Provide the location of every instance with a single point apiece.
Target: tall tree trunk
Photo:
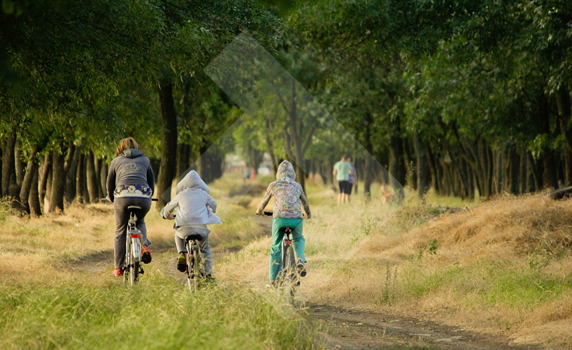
(34, 198)
(71, 175)
(550, 177)
(498, 172)
(423, 172)
(409, 160)
(514, 170)
(92, 183)
(81, 180)
(523, 170)
(31, 170)
(97, 165)
(564, 109)
(8, 166)
(58, 182)
(19, 165)
(104, 169)
(396, 158)
(369, 160)
(169, 155)
(183, 159)
(45, 171)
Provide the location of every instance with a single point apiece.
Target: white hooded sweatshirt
(192, 203)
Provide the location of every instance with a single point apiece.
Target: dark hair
(347, 156)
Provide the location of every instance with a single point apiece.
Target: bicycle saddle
(133, 207)
(285, 230)
(193, 236)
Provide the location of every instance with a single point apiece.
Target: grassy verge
(157, 314)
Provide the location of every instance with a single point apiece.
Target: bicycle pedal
(141, 271)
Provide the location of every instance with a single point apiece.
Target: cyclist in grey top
(130, 182)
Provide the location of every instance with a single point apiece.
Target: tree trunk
(81, 182)
(514, 170)
(498, 172)
(423, 173)
(523, 170)
(435, 178)
(369, 161)
(97, 172)
(19, 165)
(183, 157)
(396, 158)
(550, 177)
(91, 177)
(45, 170)
(564, 109)
(58, 183)
(104, 169)
(169, 155)
(31, 170)
(71, 174)
(34, 198)
(8, 166)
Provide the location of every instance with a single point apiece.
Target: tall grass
(159, 313)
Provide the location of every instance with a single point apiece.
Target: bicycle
(194, 261)
(133, 267)
(289, 278)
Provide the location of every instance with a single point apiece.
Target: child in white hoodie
(195, 210)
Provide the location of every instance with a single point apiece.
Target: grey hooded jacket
(192, 203)
(131, 167)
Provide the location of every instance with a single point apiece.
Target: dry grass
(501, 266)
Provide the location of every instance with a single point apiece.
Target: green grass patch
(485, 283)
(159, 313)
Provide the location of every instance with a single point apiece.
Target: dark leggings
(122, 218)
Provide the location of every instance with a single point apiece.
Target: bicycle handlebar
(107, 200)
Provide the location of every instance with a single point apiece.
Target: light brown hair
(127, 143)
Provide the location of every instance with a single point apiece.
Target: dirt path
(358, 329)
(343, 328)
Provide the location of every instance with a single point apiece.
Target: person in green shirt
(342, 170)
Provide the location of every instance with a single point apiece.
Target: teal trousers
(297, 239)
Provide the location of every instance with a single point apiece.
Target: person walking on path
(342, 171)
(352, 179)
(130, 182)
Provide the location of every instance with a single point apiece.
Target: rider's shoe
(271, 284)
(301, 267)
(146, 257)
(182, 262)
(118, 272)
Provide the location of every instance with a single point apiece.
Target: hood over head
(132, 153)
(285, 170)
(192, 180)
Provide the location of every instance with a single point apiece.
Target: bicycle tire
(289, 274)
(127, 261)
(189, 265)
(196, 269)
(133, 266)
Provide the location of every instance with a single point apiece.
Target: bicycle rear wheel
(289, 274)
(128, 260)
(134, 263)
(193, 267)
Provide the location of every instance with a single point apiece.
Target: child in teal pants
(288, 201)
